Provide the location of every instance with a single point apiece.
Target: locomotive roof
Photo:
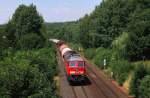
(75, 58)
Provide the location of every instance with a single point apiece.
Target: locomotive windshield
(72, 64)
(81, 64)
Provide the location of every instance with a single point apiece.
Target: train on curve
(74, 63)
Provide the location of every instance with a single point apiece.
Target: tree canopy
(25, 21)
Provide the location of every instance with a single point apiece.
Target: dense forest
(118, 31)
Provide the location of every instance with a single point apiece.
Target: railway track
(97, 85)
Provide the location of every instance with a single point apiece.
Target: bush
(144, 88)
(139, 73)
(100, 55)
(89, 53)
(46, 61)
(120, 69)
(4, 53)
(28, 74)
(20, 79)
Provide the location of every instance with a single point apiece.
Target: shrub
(46, 61)
(100, 55)
(139, 73)
(144, 88)
(120, 69)
(89, 53)
(20, 79)
(28, 74)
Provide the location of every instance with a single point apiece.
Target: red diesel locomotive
(74, 63)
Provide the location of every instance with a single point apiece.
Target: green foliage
(28, 74)
(114, 17)
(122, 25)
(120, 69)
(76, 46)
(139, 45)
(19, 78)
(30, 41)
(139, 73)
(105, 23)
(46, 61)
(3, 38)
(119, 46)
(3, 41)
(144, 87)
(89, 53)
(67, 31)
(100, 55)
(25, 21)
(84, 33)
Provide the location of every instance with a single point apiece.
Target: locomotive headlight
(72, 72)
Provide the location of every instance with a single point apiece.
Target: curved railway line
(97, 84)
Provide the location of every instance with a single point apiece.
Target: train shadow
(84, 82)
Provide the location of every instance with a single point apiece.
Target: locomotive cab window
(72, 64)
(81, 64)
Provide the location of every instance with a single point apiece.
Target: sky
(51, 10)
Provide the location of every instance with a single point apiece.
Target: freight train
(74, 63)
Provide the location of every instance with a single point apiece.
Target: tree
(105, 23)
(25, 21)
(30, 41)
(3, 41)
(139, 36)
(3, 38)
(84, 31)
